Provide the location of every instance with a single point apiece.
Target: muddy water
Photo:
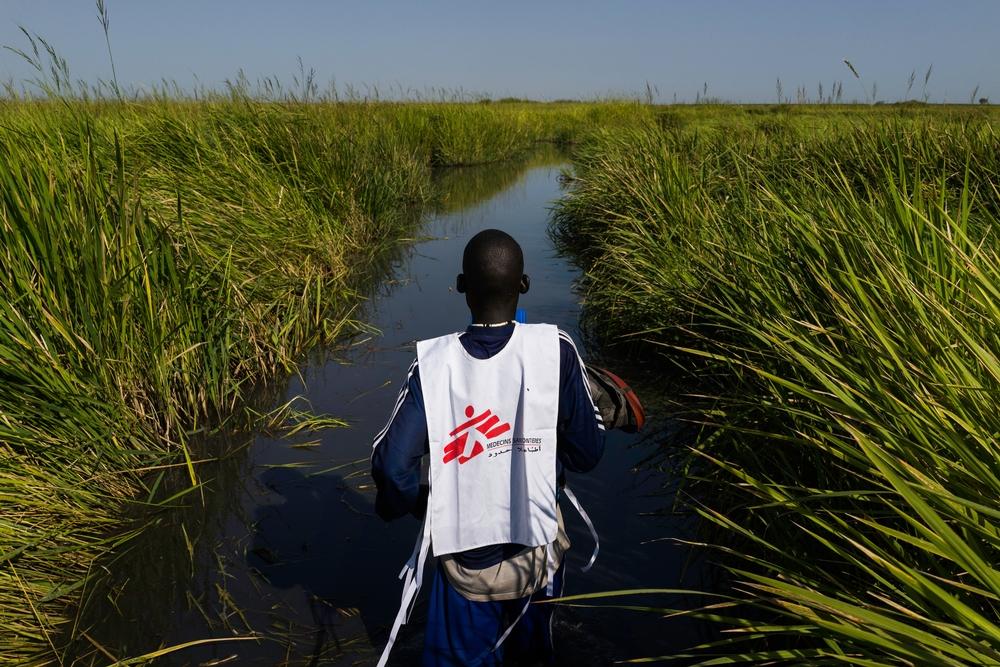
(286, 545)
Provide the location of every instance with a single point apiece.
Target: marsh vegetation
(161, 261)
(825, 283)
(823, 278)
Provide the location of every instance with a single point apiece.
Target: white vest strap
(506, 633)
(590, 525)
(510, 629)
(413, 577)
(551, 567)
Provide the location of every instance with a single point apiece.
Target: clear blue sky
(542, 49)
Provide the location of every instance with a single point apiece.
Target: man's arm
(397, 451)
(580, 432)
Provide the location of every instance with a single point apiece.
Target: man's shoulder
(443, 337)
(429, 344)
(566, 341)
(539, 327)
(569, 355)
(545, 326)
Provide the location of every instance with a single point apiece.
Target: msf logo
(487, 424)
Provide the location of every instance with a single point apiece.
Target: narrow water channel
(287, 544)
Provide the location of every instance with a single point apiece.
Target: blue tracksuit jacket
(400, 446)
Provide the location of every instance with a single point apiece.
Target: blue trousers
(462, 633)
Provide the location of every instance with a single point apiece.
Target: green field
(163, 260)
(823, 280)
(824, 284)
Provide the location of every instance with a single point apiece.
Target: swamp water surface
(286, 544)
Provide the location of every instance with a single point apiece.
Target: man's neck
(491, 325)
(494, 316)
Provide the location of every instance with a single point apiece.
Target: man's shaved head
(492, 272)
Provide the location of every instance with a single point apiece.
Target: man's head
(492, 276)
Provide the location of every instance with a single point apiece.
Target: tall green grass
(159, 260)
(833, 294)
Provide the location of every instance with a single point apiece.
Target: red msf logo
(487, 424)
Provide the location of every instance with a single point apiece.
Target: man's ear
(460, 283)
(525, 284)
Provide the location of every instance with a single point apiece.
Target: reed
(159, 260)
(831, 292)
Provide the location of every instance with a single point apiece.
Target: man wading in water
(502, 410)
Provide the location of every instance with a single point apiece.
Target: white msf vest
(491, 429)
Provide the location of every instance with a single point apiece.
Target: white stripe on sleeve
(583, 371)
(399, 403)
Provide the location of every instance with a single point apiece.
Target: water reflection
(171, 565)
(316, 538)
(286, 545)
(463, 188)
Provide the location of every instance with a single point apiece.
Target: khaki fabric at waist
(513, 578)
